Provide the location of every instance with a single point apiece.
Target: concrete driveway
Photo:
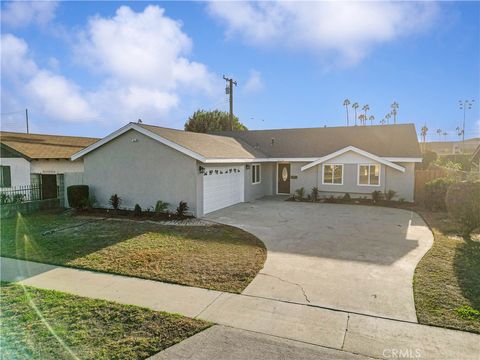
(347, 257)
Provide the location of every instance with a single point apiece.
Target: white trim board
(358, 151)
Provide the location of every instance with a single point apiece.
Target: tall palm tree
(388, 116)
(445, 136)
(346, 102)
(394, 107)
(424, 131)
(383, 121)
(355, 107)
(362, 119)
(439, 132)
(371, 118)
(366, 108)
(460, 132)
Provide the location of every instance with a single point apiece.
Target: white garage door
(222, 186)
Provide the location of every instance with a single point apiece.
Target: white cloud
(140, 61)
(254, 82)
(23, 13)
(345, 30)
(145, 48)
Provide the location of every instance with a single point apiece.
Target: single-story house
(38, 160)
(144, 163)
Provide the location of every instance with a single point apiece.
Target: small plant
(161, 206)
(115, 201)
(18, 198)
(401, 200)
(300, 193)
(137, 210)
(377, 196)
(390, 194)
(468, 313)
(463, 205)
(5, 199)
(315, 193)
(182, 208)
(331, 199)
(346, 197)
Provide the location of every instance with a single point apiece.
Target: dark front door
(49, 186)
(283, 178)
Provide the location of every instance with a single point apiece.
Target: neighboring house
(39, 160)
(143, 163)
(444, 148)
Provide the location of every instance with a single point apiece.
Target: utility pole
(464, 105)
(229, 91)
(26, 118)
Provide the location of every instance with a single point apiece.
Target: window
(5, 176)
(256, 174)
(333, 174)
(369, 175)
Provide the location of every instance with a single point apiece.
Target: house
(144, 163)
(38, 159)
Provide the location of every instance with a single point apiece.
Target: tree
(346, 102)
(366, 108)
(424, 135)
(355, 107)
(362, 119)
(383, 121)
(207, 121)
(388, 116)
(439, 132)
(394, 107)
(371, 118)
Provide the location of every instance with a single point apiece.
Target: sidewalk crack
(206, 307)
(346, 330)
(289, 282)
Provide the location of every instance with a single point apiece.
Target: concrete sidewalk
(354, 333)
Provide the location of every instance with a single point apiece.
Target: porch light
(201, 169)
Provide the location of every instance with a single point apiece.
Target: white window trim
(259, 174)
(323, 174)
(379, 175)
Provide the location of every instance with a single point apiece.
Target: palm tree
(355, 107)
(346, 102)
(459, 131)
(424, 135)
(445, 136)
(371, 118)
(362, 119)
(388, 116)
(439, 132)
(366, 108)
(383, 121)
(394, 107)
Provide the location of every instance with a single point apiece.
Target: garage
(222, 186)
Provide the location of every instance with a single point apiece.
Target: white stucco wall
(265, 187)
(19, 170)
(54, 166)
(141, 171)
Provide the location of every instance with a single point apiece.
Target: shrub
(390, 194)
(463, 204)
(377, 196)
(315, 193)
(300, 193)
(5, 199)
(137, 210)
(115, 201)
(161, 206)
(77, 196)
(331, 199)
(182, 208)
(346, 197)
(435, 192)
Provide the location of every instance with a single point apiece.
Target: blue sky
(87, 68)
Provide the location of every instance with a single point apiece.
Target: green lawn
(44, 324)
(447, 279)
(215, 257)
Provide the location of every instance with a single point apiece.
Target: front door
(283, 177)
(49, 186)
